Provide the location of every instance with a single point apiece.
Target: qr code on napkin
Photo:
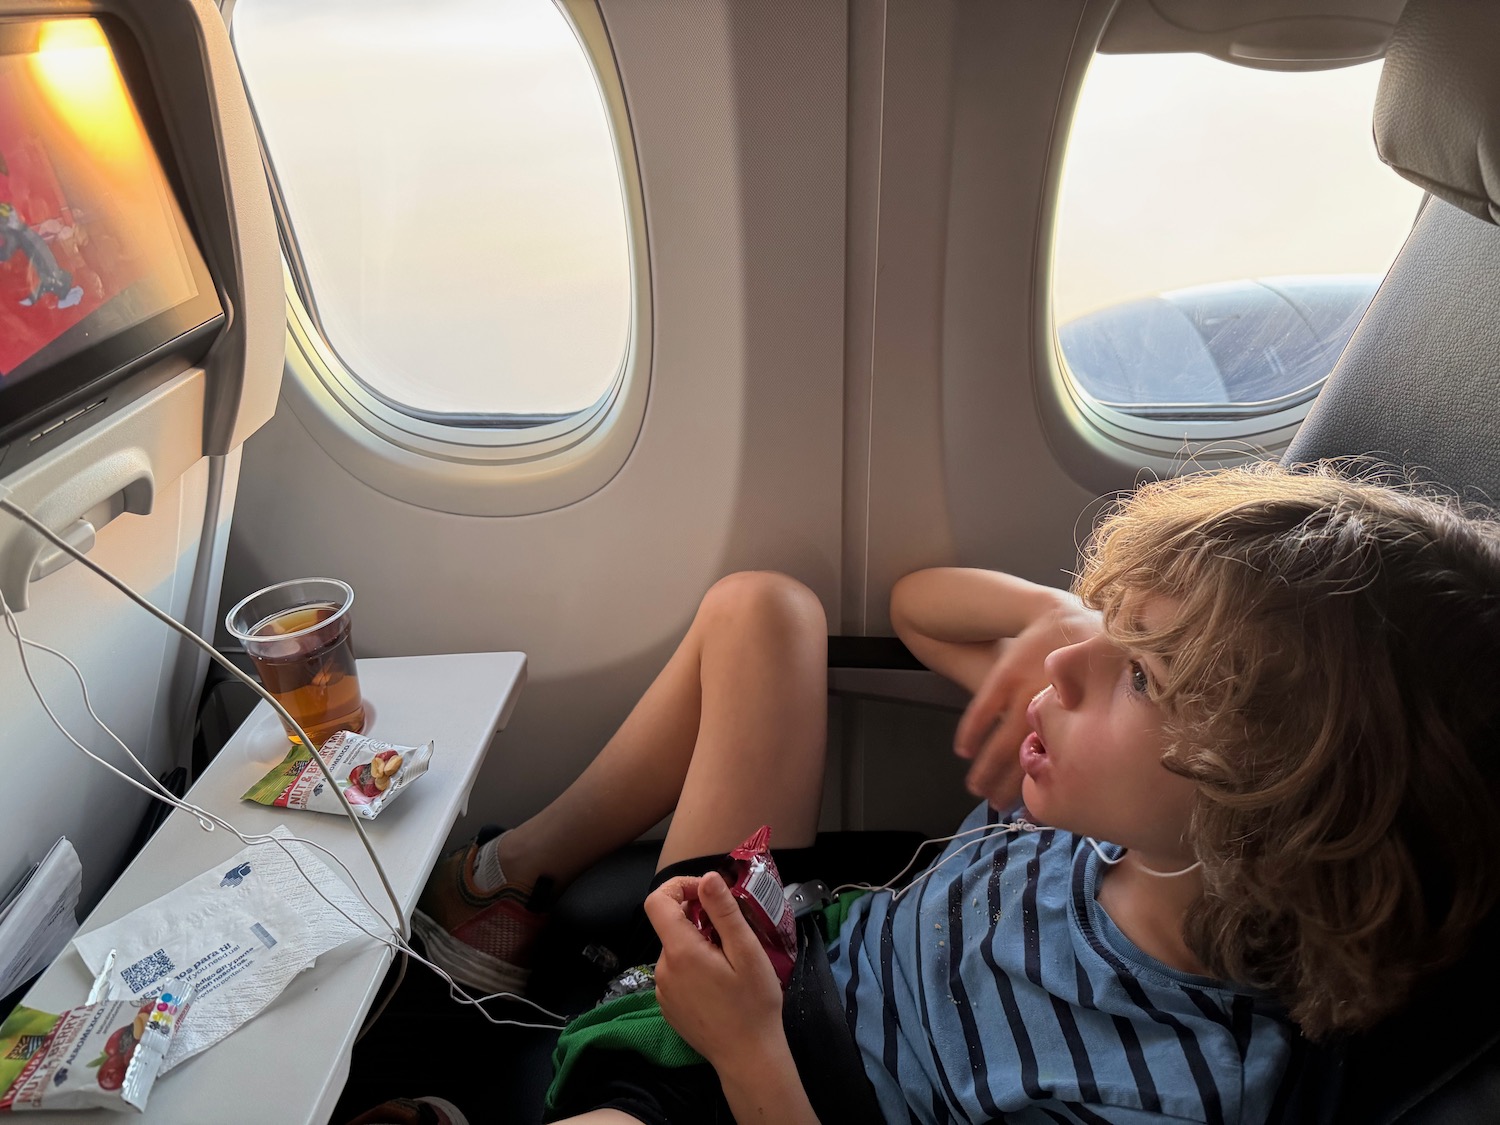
(147, 971)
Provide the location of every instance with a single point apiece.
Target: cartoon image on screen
(88, 227)
(50, 277)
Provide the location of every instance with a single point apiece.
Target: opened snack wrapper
(372, 774)
(106, 1054)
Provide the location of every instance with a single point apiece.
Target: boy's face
(1093, 764)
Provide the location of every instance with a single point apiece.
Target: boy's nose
(1065, 669)
(1075, 670)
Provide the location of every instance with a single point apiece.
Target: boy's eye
(1140, 683)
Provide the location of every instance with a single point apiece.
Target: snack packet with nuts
(105, 1054)
(371, 773)
(755, 884)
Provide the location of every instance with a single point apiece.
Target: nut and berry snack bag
(756, 885)
(106, 1054)
(370, 772)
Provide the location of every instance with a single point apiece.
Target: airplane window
(449, 177)
(1219, 234)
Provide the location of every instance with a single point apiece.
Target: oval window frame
(496, 467)
(1102, 448)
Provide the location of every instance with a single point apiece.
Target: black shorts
(822, 1046)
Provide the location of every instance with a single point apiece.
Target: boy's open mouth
(1034, 739)
(1033, 748)
(1033, 755)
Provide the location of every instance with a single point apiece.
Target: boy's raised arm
(952, 617)
(956, 618)
(991, 633)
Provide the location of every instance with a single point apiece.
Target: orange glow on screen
(76, 71)
(91, 224)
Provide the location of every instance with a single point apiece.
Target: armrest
(898, 685)
(882, 668)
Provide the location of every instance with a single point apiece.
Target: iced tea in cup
(297, 633)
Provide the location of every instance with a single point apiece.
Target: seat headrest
(1437, 113)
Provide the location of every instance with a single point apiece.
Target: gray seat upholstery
(1417, 388)
(1417, 385)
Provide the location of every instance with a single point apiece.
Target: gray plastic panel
(148, 445)
(137, 468)
(207, 117)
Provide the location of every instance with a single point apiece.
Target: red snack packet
(756, 885)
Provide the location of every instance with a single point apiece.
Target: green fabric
(836, 912)
(627, 1023)
(634, 1022)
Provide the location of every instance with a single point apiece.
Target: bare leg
(731, 734)
(601, 1117)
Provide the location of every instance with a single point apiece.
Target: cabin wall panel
(946, 457)
(1012, 503)
(739, 115)
(846, 217)
(899, 371)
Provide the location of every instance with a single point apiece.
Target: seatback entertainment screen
(98, 267)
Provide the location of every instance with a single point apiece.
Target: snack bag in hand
(756, 885)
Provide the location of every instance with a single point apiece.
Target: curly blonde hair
(1332, 685)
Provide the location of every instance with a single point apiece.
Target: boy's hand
(726, 1002)
(994, 724)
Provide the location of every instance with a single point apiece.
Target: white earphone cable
(207, 820)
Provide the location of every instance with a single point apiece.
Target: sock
(487, 873)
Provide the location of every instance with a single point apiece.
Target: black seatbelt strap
(828, 1062)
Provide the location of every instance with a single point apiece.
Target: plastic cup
(297, 633)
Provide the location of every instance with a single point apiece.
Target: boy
(1274, 698)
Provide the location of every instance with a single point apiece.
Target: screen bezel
(186, 329)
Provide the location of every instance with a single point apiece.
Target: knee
(765, 599)
(902, 592)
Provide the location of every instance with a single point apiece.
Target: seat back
(1419, 387)
(1417, 383)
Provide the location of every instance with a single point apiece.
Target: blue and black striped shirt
(997, 989)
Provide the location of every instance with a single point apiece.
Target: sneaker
(412, 1111)
(481, 939)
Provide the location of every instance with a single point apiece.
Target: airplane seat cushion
(595, 923)
(1418, 388)
(1438, 104)
(1435, 1063)
(1417, 384)
(598, 911)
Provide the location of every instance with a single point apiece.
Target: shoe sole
(470, 967)
(455, 1115)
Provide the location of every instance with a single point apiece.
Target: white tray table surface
(289, 1063)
